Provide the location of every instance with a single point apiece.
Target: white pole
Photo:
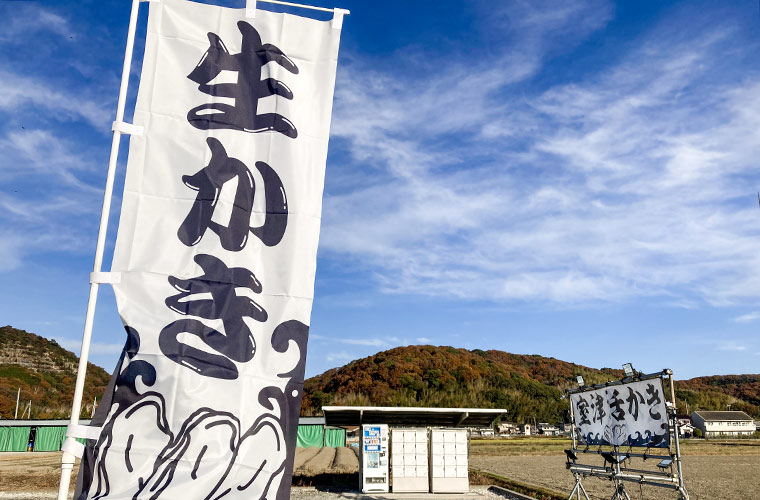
(18, 395)
(67, 461)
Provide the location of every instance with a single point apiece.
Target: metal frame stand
(620, 492)
(612, 469)
(578, 488)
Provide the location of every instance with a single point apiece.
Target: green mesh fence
(309, 436)
(335, 437)
(49, 438)
(14, 438)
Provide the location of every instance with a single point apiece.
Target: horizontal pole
(625, 454)
(302, 6)
(627, 380)
(591, 470)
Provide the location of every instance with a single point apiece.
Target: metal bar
(626, 454)
(676, 439)
(67, 461)
(572, 426)
(627, 380)
(592, 470)
(302, 6)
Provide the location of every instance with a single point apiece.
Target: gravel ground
(296, 493)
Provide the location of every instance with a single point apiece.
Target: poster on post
(215, 256)
(631, 414)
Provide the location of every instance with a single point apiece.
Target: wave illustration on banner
(204, 402)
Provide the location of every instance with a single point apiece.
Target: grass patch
(487, 478)
(550, 446)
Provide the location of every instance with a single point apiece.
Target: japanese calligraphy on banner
(632, 414)
(216, 251)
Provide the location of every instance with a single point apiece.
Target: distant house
(723, 423)
(481, 432)
(683, 419)
(506, 428)
(686, 430)
(525, 429)
(548, 429)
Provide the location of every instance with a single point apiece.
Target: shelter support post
(682, 494)
(67, 461)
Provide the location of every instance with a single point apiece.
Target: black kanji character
(634, 399)
(599, 412)
(615, 404)
(237, 342)
(583, 411)
(654, 398)
(248, 89)
(209, 182)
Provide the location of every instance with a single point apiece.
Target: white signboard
(632, 414)
(216, 255)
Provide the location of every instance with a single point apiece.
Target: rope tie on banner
(127, 128)
(105, 277)
(73, 431)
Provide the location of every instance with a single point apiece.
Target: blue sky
(571, 179)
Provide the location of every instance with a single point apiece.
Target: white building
(548, 429)
(525, 429)
(723, 423)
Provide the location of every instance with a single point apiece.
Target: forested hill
(45, 372)
(527, 386)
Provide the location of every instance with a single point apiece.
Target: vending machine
(373, 465)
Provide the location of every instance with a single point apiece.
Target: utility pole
(18, 395)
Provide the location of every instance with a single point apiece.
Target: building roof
(723, 415)
(39, 423)
(411, 416)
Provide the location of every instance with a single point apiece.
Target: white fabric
(71, 445)
(224, 433)
(105, 277)
(83, 431)
(127, 128)
(628, 414)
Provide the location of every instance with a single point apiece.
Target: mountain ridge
(528, 386)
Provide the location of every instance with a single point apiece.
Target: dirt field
(314, 461)
(41, 471)
(712, 470)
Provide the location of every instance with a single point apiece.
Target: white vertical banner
(216, 256)
(630, 414)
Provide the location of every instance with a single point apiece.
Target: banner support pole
(67, 461)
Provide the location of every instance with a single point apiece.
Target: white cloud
(19, 92)
(340, 356)
(28, 18)
(746, 318)
(423, 340)
(96, 348)
(629, 183)
(731, 345)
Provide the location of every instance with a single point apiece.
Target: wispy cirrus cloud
(628, 182)
(747, 318)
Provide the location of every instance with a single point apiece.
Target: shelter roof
(38, 423)
(410, 416)
(724, 415)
